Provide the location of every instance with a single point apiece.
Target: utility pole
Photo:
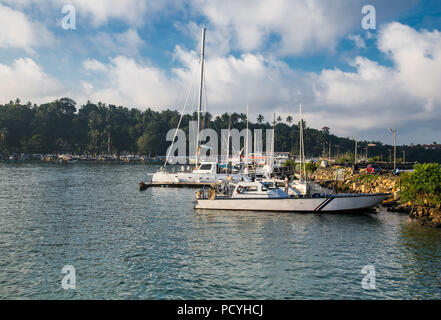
(366, 154)
(355, 154)
(108, 143)
(369, 145)
(329, 149)
(394, 131)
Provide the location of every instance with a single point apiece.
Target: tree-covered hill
(61, 127)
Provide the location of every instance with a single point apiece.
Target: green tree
(423, 185)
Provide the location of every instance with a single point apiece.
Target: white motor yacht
(262, 196)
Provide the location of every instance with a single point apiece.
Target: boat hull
(333, 203)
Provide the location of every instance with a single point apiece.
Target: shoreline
(426, 215)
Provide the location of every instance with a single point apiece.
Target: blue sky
(272, 55)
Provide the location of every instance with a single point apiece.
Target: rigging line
(179, 123)
(206, 91)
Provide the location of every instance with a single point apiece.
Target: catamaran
(203, 172)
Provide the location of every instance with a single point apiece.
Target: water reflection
(420, 248)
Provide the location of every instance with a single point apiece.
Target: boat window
(251, 189)
(205, 167)
(269, 185)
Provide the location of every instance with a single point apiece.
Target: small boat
(266, 196)
(67, 159)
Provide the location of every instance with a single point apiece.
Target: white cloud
(358, 40)
(417, 56)
(126, 43)
(17, 31)
(298, 25)
(131, 84)
(376, 97)
(359, 103)
(100, 12)
(94, 65)
(231, 83)
(28, 82)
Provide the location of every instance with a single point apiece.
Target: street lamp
(394, 131)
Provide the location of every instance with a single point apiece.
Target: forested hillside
(61, 127)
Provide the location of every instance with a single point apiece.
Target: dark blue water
(126, 244)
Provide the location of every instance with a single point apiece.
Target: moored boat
(261, 196)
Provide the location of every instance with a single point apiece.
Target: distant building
(433, 146)
(325, 130)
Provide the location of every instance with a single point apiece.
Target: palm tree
(279, 119)
(289, 119)
(260, 118)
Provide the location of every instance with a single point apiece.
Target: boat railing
(206, 194)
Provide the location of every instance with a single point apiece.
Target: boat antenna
(201, 84)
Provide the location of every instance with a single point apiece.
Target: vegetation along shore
(416, 193)
(59, 127)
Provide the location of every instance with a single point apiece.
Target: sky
(270, 55)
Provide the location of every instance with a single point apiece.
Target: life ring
(239, 189)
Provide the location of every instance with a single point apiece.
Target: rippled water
(126, 244)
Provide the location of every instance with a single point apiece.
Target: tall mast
(302, 148)
(246, 143)
(200, 94)
(272, 144)
(228, 146)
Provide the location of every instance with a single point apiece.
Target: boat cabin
(258, 190)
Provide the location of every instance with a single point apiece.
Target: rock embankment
(344, 180)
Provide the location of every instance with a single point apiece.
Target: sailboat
(302, 185)
(204, 171)
(266, 195)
